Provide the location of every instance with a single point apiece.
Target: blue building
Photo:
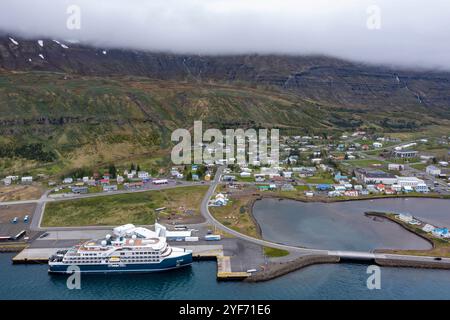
(324, 187)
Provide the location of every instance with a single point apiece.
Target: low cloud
(412, 33)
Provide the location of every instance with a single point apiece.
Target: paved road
(209, 219)
(343, 254)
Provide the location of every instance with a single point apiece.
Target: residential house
(351, 193)
(405, 217)
(338, 177)
(228, 178)
(433, 170)
(109, 188)
(377, 145)
(405, 154)
(441, 232)
(7, 181)
(422, 187)
(396, 167)
(80, 190)
(408, 189)
(287, 187)
(144, 175)
(220, 200)
(26, 180)
(260, 177)
(68, 180)
(120, 179)
(287, 174)
(428, 228)
(324, 187)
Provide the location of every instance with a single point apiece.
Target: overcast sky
(412, 33)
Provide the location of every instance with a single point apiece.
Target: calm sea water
(343, 226)
(285, 222)
(340, 281)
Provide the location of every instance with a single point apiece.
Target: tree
(112, 171)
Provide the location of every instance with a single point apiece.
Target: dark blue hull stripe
(166, 264)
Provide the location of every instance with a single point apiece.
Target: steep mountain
(90, 105)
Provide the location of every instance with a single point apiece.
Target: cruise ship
(129, 249)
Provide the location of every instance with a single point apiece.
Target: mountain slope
(322, 79)
(92, 106)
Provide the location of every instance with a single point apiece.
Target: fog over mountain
(413, 33)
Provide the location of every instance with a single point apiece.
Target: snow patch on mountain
(14, 41)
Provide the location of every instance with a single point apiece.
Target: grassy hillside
(85, 121)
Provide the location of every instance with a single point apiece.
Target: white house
(433, 170)
(428, 228)
(67, 180)
(422, 187)
(220, 200)
(260, 177)
(27, 180)
(7, 181)
(408, 189)
(395, 167)
(287, 174)
(120, 179)
(405, 217)
(143, 175)
(245, 174)
(443, 163)
(377, 145)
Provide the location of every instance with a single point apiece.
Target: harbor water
(339, 281)
(339, 225)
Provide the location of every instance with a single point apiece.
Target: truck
(212, 237)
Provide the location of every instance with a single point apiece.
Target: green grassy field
(321, 178)
(275, 253)
(365, 163)
(137, 208)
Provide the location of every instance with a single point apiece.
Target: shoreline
(276, 270)
(384, 215)
(337, 200)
